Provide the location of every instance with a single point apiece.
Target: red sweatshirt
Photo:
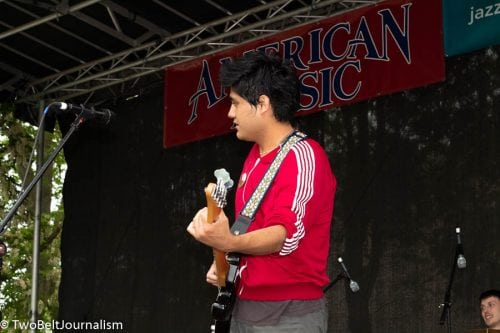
(301, 199)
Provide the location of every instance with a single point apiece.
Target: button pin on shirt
(243, 178)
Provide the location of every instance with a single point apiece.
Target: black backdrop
(410, 167)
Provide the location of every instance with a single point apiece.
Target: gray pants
(314, 322)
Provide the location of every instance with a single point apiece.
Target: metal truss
(119, 73)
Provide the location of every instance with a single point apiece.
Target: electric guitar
(226, 264)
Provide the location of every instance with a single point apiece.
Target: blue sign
(469, 25)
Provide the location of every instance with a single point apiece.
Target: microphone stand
(74, 126)
(446, 305)
(337, 279)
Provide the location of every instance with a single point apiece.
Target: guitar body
(223, 305)
(220, 326)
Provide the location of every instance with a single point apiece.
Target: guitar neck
(213, 210)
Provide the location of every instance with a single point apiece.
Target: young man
(285, 249)
(490, 308)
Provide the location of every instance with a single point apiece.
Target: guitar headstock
(219, 191)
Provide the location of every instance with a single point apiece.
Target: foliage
(16, 144)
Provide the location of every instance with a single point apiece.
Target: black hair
(490, 293)
(256, 73)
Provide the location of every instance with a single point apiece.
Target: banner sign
(390, 46)
(470, 25)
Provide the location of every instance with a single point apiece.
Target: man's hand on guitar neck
(212, 275)
(216, 235)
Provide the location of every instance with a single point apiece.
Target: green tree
(16, 144)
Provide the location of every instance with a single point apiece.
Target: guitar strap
(248, 212)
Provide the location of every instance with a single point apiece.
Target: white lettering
(482, 13)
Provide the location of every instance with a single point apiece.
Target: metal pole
(48, 18)
(36, 227)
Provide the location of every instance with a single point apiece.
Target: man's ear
(264, 104)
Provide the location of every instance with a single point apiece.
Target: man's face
(244, 116)
(490, 311)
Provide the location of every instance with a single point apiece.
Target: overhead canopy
(93, 51)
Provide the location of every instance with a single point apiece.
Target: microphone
(352, 284)
(101, 116)
(461, 262)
